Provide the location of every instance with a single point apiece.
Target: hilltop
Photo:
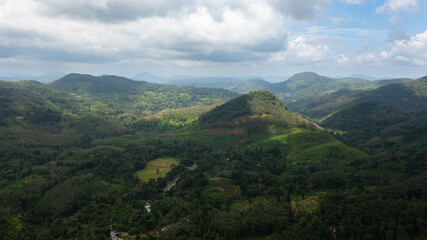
(35, 113)
(255, 110)
(306, 86)
(408, 96)
(314, 95)
(138, 95)
(252, 85)
(85, 84)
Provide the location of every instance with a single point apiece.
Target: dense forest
(248, 167)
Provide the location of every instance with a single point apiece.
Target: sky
(214, 37)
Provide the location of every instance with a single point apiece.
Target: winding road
(172, 183)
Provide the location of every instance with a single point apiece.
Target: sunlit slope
(139, 95)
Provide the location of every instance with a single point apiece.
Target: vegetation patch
(156, 168)
(307, 205)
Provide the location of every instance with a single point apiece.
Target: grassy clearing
(156, 168)
(307, 205)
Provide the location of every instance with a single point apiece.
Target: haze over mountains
(183, 80)
(44, 78)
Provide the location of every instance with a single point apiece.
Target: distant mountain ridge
(44, 78)
(409, 97)
(207, 82)
(31, 111)
(146, 76)
(309, 84)
(138, 95)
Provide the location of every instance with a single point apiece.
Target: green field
(164, 165)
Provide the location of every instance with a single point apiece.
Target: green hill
(67, 171)
(409, 97)
(309, 85)
(255, 109)
(85, 84)
(375, 127)
(252, 85)
(369, 114)
(138, 95)
(31, 112)
(314, 95)
(18, 99)
(384, 82)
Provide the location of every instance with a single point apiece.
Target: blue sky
(214, 37)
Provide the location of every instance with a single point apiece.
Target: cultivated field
(156, 168)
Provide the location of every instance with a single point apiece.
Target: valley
(311, 157)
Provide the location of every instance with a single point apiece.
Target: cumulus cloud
(303, 49)
(110, 30)
(184, 32)
(393, 6)
(354, 2)
(195, 34)
(412, 50)
(302, 9)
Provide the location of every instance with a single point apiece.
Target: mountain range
(89, 157)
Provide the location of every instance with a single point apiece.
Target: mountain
(252, 85)
(312, 94)
(370, 114)
(87, 85)
(387, 91)
(44, 78)
(364, 121)
(257, 109)
(307, 92)
(306, 85)
(21, 99)
(138, 95)
(34, 113)
(391, 117)
(205, 82)
(383, 82)
(364, 77)
(71, 153)
(148, 77)
(409, 97)
(375, 127)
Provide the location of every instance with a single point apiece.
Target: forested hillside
(76, 159)
(257, 106)
(409, 97)
(317, 96)
(138, 95)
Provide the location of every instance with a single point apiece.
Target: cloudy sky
(214, 37)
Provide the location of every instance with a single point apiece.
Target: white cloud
(393, 6)
(354, 2)
(95, 31)
(412, 50)
(301, 9)
(197, 34)
(303, 49)
(188, 63)
(401, 58)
